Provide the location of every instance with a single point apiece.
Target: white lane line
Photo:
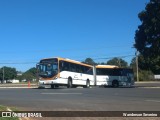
(149, 87)
(153, 101)
(62, 93)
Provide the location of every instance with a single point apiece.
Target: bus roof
(106, 66)
(68, 60)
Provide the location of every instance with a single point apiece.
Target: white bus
(108, 75)
(64, 72)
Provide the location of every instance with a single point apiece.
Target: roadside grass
(4, 109)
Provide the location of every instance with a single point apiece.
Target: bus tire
(69, 83)
(87, 84)
(115, 83)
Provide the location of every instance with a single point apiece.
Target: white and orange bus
(109, 75)
(64, 72)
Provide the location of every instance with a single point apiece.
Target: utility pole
(119, 62)
(3, 75)
(94, 75)
(137, 66)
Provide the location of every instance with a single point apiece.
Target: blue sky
(34, 29)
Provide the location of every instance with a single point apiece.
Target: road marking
(152, 101)
(148, 87)
(62, 93)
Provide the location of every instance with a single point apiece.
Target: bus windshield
(48, 68)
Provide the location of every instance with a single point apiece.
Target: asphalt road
(96, 99)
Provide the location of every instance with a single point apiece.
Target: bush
(145, 75)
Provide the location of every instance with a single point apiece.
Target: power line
(98, 58)
(72, 49)
(114, 57)
(19, 63)
(110, 57)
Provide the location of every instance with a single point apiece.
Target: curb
(18, 87)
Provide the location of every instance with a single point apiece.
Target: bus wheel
(69, 83)
(87, 84)
(115, 84)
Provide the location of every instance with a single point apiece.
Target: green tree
(118, 62)
(133, 63)
(102, 63)
(30, 74)
(147, 36)
(89, 61)
(144, 75)
(9, 73)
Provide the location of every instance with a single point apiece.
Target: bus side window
(90, 71)
(72, 67)
(66, 66)
(97, 71)
(117, 72)
(83, 69)
(102, 72)
(124, 73)
(61, 64)
(78, 69)
(111, 72)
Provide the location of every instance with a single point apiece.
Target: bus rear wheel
(69, 83)
(87, 84)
